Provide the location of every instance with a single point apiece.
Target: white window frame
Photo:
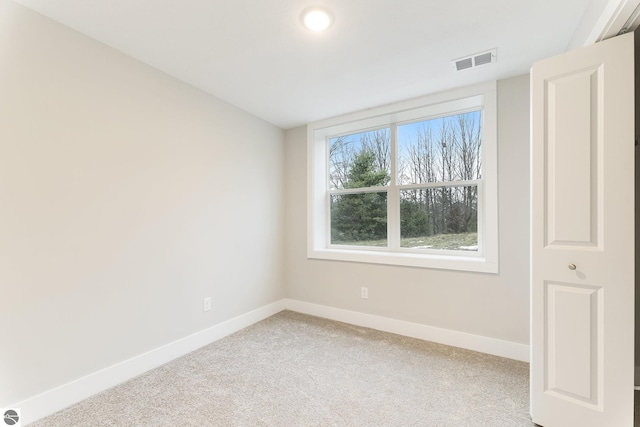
(472, 98)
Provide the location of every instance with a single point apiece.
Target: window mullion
(327, 196)
(393, 197)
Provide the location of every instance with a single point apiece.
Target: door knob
(572, 266)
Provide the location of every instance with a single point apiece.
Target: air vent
(475, 60)
(463, 64)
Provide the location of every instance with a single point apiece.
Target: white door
(582, 257)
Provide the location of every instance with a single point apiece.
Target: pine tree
(361, 216)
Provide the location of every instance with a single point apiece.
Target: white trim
(54, 400)
(379, 256)
(482, 96)
(602, 19)
(450, 337)
(613, 18)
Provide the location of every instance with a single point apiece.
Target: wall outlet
(206, 304)
(364, 293)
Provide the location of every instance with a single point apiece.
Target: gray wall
(125, 198)
(495, 306)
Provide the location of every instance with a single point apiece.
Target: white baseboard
(479, 343)
(51, 401)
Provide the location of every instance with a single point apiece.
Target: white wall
(126, 197)
(495, 306)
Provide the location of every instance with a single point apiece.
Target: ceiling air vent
(474, 60)
(463, 64)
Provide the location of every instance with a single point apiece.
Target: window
(413, 183)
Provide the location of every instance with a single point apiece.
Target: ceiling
(256, 55)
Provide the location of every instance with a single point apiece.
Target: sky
(408, 132)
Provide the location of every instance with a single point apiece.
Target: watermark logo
(11, 417)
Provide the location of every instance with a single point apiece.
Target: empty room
(318, 213)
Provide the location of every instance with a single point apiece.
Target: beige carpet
(298, 370)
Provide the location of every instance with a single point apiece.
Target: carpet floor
(297, 370)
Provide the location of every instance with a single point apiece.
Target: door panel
(582, 255)
(573, 366)
(573, 113)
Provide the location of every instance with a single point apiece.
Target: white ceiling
(256, 55)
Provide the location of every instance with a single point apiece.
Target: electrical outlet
(364, 293)
(206, 304)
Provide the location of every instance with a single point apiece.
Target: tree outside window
(438, 164)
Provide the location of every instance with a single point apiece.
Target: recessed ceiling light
(317, 19)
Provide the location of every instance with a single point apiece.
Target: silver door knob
(572, 266)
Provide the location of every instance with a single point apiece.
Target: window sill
(443, 262)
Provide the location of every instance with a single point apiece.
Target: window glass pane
(359, 219)
(360, 160)
(439, 218)
(440, 150)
